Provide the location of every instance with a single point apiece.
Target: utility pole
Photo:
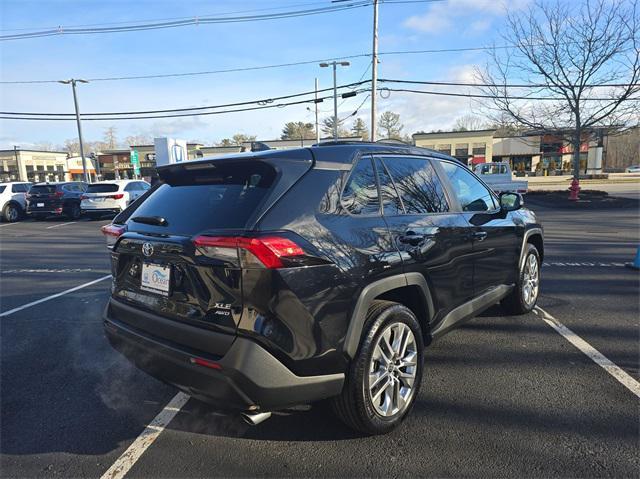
(335, 94)
(374, 70)
(75, 102)
(317, 124)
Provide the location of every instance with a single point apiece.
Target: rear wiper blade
(151, 220)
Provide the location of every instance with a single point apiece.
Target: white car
(111, 197)
(633, 169)
(13, 200)
(498, 177)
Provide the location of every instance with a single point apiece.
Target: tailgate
(156, 264)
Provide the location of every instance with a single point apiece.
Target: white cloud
(441, 17)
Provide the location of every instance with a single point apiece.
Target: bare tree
(468, 123)
(359, 128)
(296, 130)
(584, 60)
(110, 140)
(327, 127)
(389, 126)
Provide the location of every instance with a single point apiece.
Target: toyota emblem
(147, 249)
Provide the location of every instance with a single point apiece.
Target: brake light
(58, 194)
(112, 233)
(119, 196)
(205, 363)
(268, 250)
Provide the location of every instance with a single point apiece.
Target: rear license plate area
(155, 278)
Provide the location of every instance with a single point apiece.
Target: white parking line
(147, 437)
(53, 296)
(8, 224)
(595, 355)
(61, 224)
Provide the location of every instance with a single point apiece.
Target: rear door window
(2, 188)
(102, 188)
(418, 185)
(360, 195)
(391, 203)
(214, 198)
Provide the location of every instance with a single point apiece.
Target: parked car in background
(633, 169)
(290, 276)
(498, 177)
(59, 199)
(111, 197)
(13, 200)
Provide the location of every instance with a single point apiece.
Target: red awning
(478, 159)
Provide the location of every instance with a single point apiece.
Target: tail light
(119, 196)
(112, 233)
(266, 251)
(83, 197)
(58, 194)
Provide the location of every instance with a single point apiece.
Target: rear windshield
(42, 189)
(102, 188)
(221, 197)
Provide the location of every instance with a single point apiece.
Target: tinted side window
(472, 195)
(391, 204)
(19, 188)
(360, 196)
(418, 185)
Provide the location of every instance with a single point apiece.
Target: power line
(504, 85)
(472, 95)
(262, 101)
(196, 20)
(218, 112)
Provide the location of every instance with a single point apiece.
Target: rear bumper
(93, 209)
(248, 375)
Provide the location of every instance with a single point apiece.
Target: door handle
(479, 235)
(411, 238)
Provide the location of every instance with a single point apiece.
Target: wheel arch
(535, 237)
(409, 289)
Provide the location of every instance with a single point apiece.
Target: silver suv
(13, 200)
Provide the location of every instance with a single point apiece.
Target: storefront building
(469, 147)
(33, 165)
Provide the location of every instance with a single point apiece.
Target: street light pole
(374, 70)
(75, 102)
(335, 94)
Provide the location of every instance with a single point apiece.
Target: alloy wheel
(12, 213)
(392, 370)
(531, 280)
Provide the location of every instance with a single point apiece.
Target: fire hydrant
(574, 189)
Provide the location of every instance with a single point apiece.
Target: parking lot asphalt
(502, 396)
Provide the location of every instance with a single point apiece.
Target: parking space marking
(8, 224)
(147, 437)
(53, 296)
(61, 224)
(589, 264)
(591, 352)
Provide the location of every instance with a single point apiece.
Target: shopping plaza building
(534, 153)
(528, 154)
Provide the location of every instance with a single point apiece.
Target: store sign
(170, 151)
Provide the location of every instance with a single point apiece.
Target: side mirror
(511, 201)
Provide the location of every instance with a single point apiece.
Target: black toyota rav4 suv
(266, 280)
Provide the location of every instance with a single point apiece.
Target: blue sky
(411, 26)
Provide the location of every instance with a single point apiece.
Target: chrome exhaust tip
(253, 419)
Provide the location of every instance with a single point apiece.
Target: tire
(357, 405)
(11, 212)
(74, 212)
(524, 296)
